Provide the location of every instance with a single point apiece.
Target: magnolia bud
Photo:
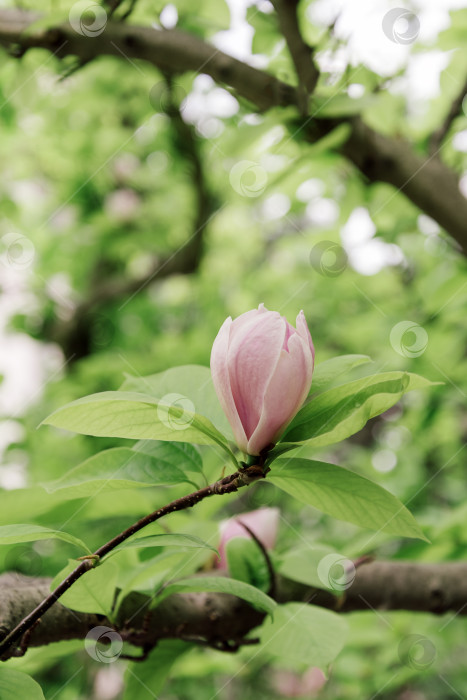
(264, 523)
(261, 368)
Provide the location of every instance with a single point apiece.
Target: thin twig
(229, 484)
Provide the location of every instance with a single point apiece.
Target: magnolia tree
(192, 511)
(261, 371)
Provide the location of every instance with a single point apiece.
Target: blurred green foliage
(97, 178)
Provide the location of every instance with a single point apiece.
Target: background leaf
(94, 592)
(145, 681)
(217, 584)
(23, 532)
(301, 632)
(166, 540)
(301, 564)
(246, 562)
(16, 685)
(344, 495)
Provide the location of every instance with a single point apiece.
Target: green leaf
(301, 564)
(149, 576)
(193, 382)
(210, 15)
(246, 562)
(280, 449)
(137, 416)
(326, 372)
(146, 681)
(94, 592)
(117, 468)
(23, 532)
(171, 540)
(16, 685)
(344, 410)
(327, 107)
(344, 495)
(218, 584)
(303, 634)
(181, 455)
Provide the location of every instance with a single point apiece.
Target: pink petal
(286, 392)
(221, 381)
(252, 357)
(264, 522)
(304, 331)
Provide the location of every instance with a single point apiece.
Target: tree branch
(427, 182)
(75, 334)
(219, 619)
(438, 136)
(228, 484)
(301, 53)
(172, 51)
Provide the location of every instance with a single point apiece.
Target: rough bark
(213, 618)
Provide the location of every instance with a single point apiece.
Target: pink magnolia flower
(296, 685)
(264, 522)
(261, 368)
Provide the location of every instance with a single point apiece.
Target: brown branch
(220, 619)
(427, 182)
(172, 51)
(228, 484)
(438, 136)
(75, 334)
(301, 53)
